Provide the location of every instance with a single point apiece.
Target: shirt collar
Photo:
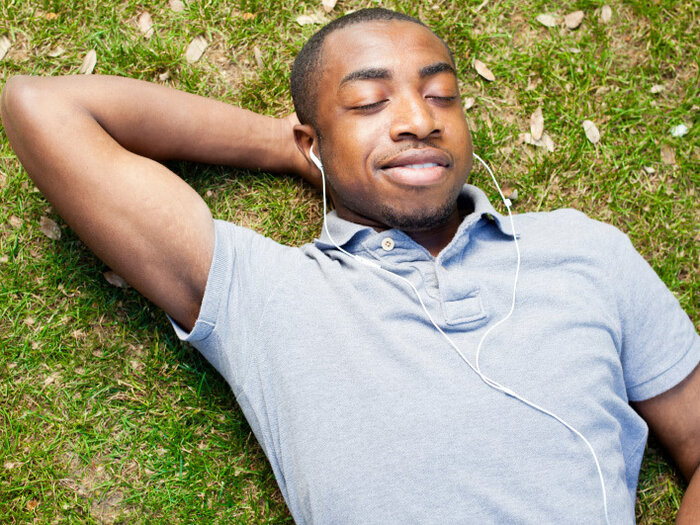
(343, 231)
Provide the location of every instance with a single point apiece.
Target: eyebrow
(369, 73)
(434, 69)
(378, 73)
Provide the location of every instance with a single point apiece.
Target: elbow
(12, 93)
(17, 102)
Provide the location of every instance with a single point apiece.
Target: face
(394, 141)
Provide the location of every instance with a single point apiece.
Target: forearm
(155, 121)
(689, 513)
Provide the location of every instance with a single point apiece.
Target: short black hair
(307, 64)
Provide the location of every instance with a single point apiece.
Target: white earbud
(315, 159)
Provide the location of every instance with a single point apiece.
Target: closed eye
(444, 99)
(368, 107)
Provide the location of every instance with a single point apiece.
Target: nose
(414, 119)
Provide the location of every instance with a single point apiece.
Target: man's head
(376, 93)
(306, 70)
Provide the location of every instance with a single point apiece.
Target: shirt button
(388, 244)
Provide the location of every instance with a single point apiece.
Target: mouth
(417, 167)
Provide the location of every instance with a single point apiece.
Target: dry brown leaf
(591, 130)
(5, 45)
(605, 14)
(56, 52)
(545, 142)
(89, 62)
(258, 57)
(32, 504)
(115, 280)
(50, 228)
(176, 5)
(537, 124)
(15, 222)
(469, 103)
(484, 71)
(51, 379)
(51, 16)
(657, 88)
(304, 20)
(196, 49)
(328, 5)
(668, 155)
(248, 16)
(547, 20)
(573, 20)
(145, 23)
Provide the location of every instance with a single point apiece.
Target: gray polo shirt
(367, 415)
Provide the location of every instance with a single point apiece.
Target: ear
(305, 137)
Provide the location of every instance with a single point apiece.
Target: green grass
(106, 418)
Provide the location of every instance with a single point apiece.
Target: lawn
(106, 418)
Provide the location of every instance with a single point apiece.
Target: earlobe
(305, 139)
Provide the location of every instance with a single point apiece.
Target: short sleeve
(660, 346)
(244, 271)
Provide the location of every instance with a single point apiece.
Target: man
(367, 411)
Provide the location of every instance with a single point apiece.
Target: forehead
(396, 45)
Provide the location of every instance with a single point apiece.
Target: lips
(417, 167)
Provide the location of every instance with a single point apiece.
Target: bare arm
(87, 143)
(674, 417)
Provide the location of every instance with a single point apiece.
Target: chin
(418, 220)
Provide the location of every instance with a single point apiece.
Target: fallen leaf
(547, 20)
(89, 62)
(5, 46)
(145, 23)
(51, 16)
(32, 504)
(537, 124)
(52, 378)
(176, 5)
(469, 103)
(592, 133)
(649, 170)
(657, 88)
(115, 280)
(196, 49)
(668, 155)
(605, 14)
(15, 222)
(573, 20)
(56, 52)
(248, 16)
(49, 228)
(258, 57)
(304, 20)
(328, 5)
(679, 130)
(484, 71)
(545, 142)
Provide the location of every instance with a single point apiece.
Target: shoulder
(572, 229)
